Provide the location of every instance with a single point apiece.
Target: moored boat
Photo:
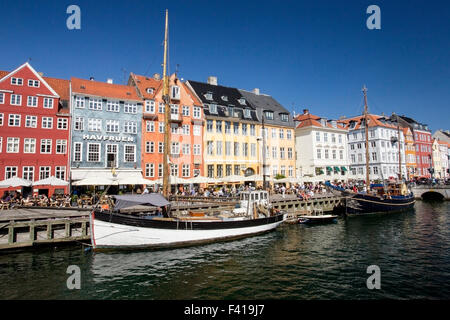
(114, 229)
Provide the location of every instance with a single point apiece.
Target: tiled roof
(374, 121)
(309, 120)
(263, 102)
(143, 83)
(104, 89)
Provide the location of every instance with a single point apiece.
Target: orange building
(410, 153)
(186, 125)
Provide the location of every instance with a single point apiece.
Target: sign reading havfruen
(100, 137)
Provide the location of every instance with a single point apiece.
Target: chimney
(256, 91)
(109, 80)
(212, 80)
(305, 111)
(157, 76)
(41, 74)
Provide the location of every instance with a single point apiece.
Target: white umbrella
(15, 182)
(254, 178)
(51, 181)
(134, 181)
(201, 179)
(96, 181)
(232, 178)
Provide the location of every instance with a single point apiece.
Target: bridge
(431, 192)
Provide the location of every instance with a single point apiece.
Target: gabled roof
(307, 119)
(263, 102)
(373, 121)
(104, 89)
(143, 83)
(5, 75)
(223, 97)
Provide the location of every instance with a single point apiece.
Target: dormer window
(323, 122)
(230, 111)
(224, 98)
(334, 124)
(268, 115)
(242, 101)
(352, 125)
(33, 83)
(246, 113)
(17, 81)
(213, 108)
(175, 92)
(208, 96)
(150, 90)
(284, 117)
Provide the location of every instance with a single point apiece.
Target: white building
(383, 148)
(321, 149)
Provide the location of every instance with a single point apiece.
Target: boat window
(252, 197)
(246, 196)
(256, 196)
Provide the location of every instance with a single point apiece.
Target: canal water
(412, 250)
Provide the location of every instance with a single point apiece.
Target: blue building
(106, 132)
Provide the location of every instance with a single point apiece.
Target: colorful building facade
(186, 128)
(410, 154)
(279, 137)
(34, 128)
(106, 135)
(231, 133)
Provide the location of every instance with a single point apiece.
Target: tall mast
(264, 152)
(366, 120)
(166, 170)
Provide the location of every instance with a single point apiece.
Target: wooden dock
(26, 227)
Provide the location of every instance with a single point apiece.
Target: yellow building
(232, 134)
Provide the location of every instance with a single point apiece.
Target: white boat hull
(112, 235)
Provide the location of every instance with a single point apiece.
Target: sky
(314, 55)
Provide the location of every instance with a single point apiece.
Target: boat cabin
(254, 196)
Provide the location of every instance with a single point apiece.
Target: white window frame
(75, 152)
(45, 143)
(34, 83)
(16, 81)
(95, 104)
(112, 106)
(16, 100)
(99, 152)
(13, 142)
(62, 123)
(95, 125)
(46, 121)
(130, 107)
(79, 102)
(125, 153)
(34, 101)
(61, 144)
(26, 173)
(78, 124)
(16, 120)
(48, 103)
(30, 144)
(10, 173)
(45, 172)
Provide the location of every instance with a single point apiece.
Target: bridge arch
(432, 195)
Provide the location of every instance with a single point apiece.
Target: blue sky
(306, 54)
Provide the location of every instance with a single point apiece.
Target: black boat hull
(362, 203)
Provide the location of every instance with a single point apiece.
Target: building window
(29, 145)
(197, 114)
(30, 122)
(186, 148)
(149, 169)
(61, 146)
(213, 108)
(186, 129)
(185, 111)
(14, 120)
(236, 149)
(284, 117)
(93, 152)
(150, 106)
(130, 108)
(28, 173)
(79, 102)
(130, 127)
(47, 123)
(112, 106)
(218, 126)
(245, 149)
(48, 103)
(161, 107)
(60, 173)
(289, 134)
(209, 125)
(34, 83)
(62, 124)
(16, 100)
(12, 145)
(197, 130)
(282, 153)
(237, 169)
(319, 153)
(160, 170)
(210, 171)
(175, 92)
(77, 151)
(149, 147)
(247, 113)
(10, 172)
(291, 171)
(112, 126)
(253, 149)
(95, 104)
(219, 170)
(197, 150)
(268, 115)
(130, 153)
(161, 128)
(32, 101)
(2, 98)
(160, 147)
(46, 146)
(185, 171)
(228, 148)
(210, 148)
(244, 129)
(16, 81)
(290, 154)
(236, 128)
(274, 152)
(94, 124)
(79, 123)
(175, 148)
(44, 172)
(174, 170)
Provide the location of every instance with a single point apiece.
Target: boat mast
(366, 120)
(165, 97)
(264, 152)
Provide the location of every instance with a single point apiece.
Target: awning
(329, 169)
(150, 199)
(106, 177)
(343, 168)
(337, 169)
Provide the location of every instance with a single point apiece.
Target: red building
(423, 142)
(34, 128)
